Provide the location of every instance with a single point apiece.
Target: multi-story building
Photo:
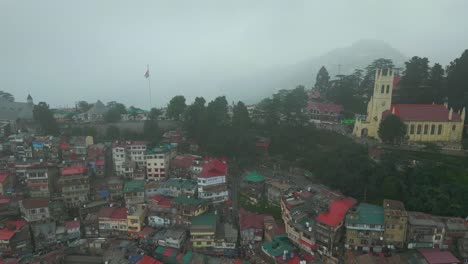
(74, 185)
(251, 227)
(160, 211)
(188, 208)
(40, 178)
(424, 122)
(172, 237)
(182, 166)
(396, 223)
(365, 228)
(135, 219)
(324, 112)
(157, 163)
(424, 231)
(15, 238)
(455, 229)
(203, 231)
(113, 222)
(129, 159)
(34, 209)
(134, 192)
(314, 218)
(136, 151)
(174, 187)
(72, 230)
(119, 157)
(115, 187)
(212, 181)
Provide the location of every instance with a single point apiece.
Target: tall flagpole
(149, 85)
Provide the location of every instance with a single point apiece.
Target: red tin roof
(336, 212)
(213, 168)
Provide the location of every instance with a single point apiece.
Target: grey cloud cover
(65, 51)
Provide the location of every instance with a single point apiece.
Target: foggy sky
(65, 51)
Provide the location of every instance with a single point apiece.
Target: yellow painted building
(136, 217)
(424, 122)
(395, 223)
(203, 230)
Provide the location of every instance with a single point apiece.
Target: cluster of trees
(353, 90)
(7, 96)
(115, 112)
(46, 120)
(218, 132)
(435, 184)
(420, 83)
(285, 106)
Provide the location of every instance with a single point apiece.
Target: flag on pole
(147, 74)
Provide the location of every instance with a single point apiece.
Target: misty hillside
(356, 56)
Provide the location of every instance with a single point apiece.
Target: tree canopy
(154, 114)
(176, 107)
(45, 118)
(240, 116)
(83, 106)
(457, 82)
(115, 112)
(392, 130)
(7, 96)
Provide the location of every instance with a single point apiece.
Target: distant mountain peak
(342, 60)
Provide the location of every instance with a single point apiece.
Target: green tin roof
(255, 177)
(134, 186)
(181, 183)
(186, 200)
(187, 257)
(159, 250)
(366, 214)
(279, 244)
(207, 219)
(159, 150)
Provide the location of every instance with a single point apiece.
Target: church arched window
(382, 89)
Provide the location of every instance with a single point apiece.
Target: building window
(388, 88)
(454, 127)
(412, 129)
(432, 129)
(440, 130)
(382, 89)
(419, 130)
(426, 128)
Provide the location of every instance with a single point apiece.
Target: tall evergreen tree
(437, 84)
(414, 83)
(217, 111)
(322, 81)
(392, 129)
(240, 117)
(44, 116)
(457, 82)
(195, 118)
